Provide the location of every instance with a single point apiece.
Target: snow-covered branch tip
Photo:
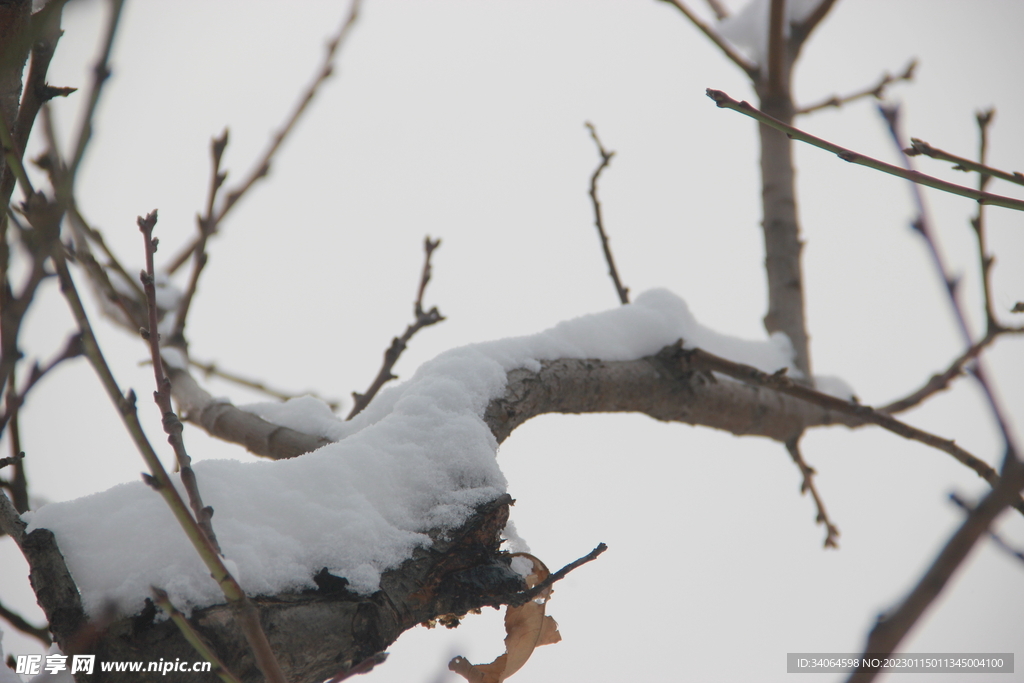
(398, 344)
(877, 91)
(725, 102)
(606, 158)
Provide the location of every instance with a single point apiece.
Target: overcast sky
(463, 119)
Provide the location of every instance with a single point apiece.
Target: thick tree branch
(224, 421)
(702, 360)
(723, 100)
(893, 626)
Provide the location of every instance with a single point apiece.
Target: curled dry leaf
(526, 627)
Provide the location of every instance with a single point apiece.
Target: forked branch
(398, 344)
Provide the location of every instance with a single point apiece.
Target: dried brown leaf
(526, 627)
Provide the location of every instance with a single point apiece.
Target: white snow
(748, 28)
(419, 457)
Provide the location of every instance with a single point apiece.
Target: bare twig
(923, 226)
(213, 370)
(398, 344)
(606, 158)
(978, 223)
(207, 225)
(724, 101)
(720, 10)
(940, 381)
(750, 68)
(524, 597)
(162, 395)
(100, 74)
(40, 633)
(877, 91)
(17, 457)
(15, 399)
(163, 601)
(700, 359)
(808, 472)
(893, 626)
(918, 147)
(996, 538)
(262, 166)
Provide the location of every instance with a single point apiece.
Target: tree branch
(398, 344)
(750, 68)
(877, 91)
(807, 472)
(724, 101)
(893, 626)
(213, 370)
(918, 147)
(162, 395)
(262, 166)
(699, 359)
(40, 633)
(606, 158)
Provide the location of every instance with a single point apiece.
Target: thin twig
(893, 626)
(808, 472)
(15, 399)
(17, 457)
(100, 74)
(702, 360)
(918, 147)
(212, 370)
(398, 344)
(40, 633)
(942, 380)
(923, 226)
(207, 225)
(996, 538)
(750, 68)
(724, 101)
(162, 395)
(978, 223)
(524, 597)
(606, 158)
(218, 668)
(720, 10)
(877, 91)
(800, 32)
(262, 166)
(245, 611)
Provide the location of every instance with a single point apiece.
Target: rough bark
(657, 386)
